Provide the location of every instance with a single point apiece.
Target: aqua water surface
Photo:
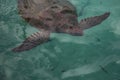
(94, 56)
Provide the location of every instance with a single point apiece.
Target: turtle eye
(71, 27)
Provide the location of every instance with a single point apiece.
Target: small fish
(103, 69)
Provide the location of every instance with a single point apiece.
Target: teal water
(94, 56)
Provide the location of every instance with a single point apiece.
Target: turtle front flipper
(93, 21)
(33, 41)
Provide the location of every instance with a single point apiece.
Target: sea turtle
(48, 16)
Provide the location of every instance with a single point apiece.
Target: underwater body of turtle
(48, 16)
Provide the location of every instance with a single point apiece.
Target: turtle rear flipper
(33, 41)
(93, 21)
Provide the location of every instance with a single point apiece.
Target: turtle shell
(47, 14)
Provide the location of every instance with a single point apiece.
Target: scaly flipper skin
(93, 21)
(33, 41)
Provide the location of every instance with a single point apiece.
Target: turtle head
(75, 31)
